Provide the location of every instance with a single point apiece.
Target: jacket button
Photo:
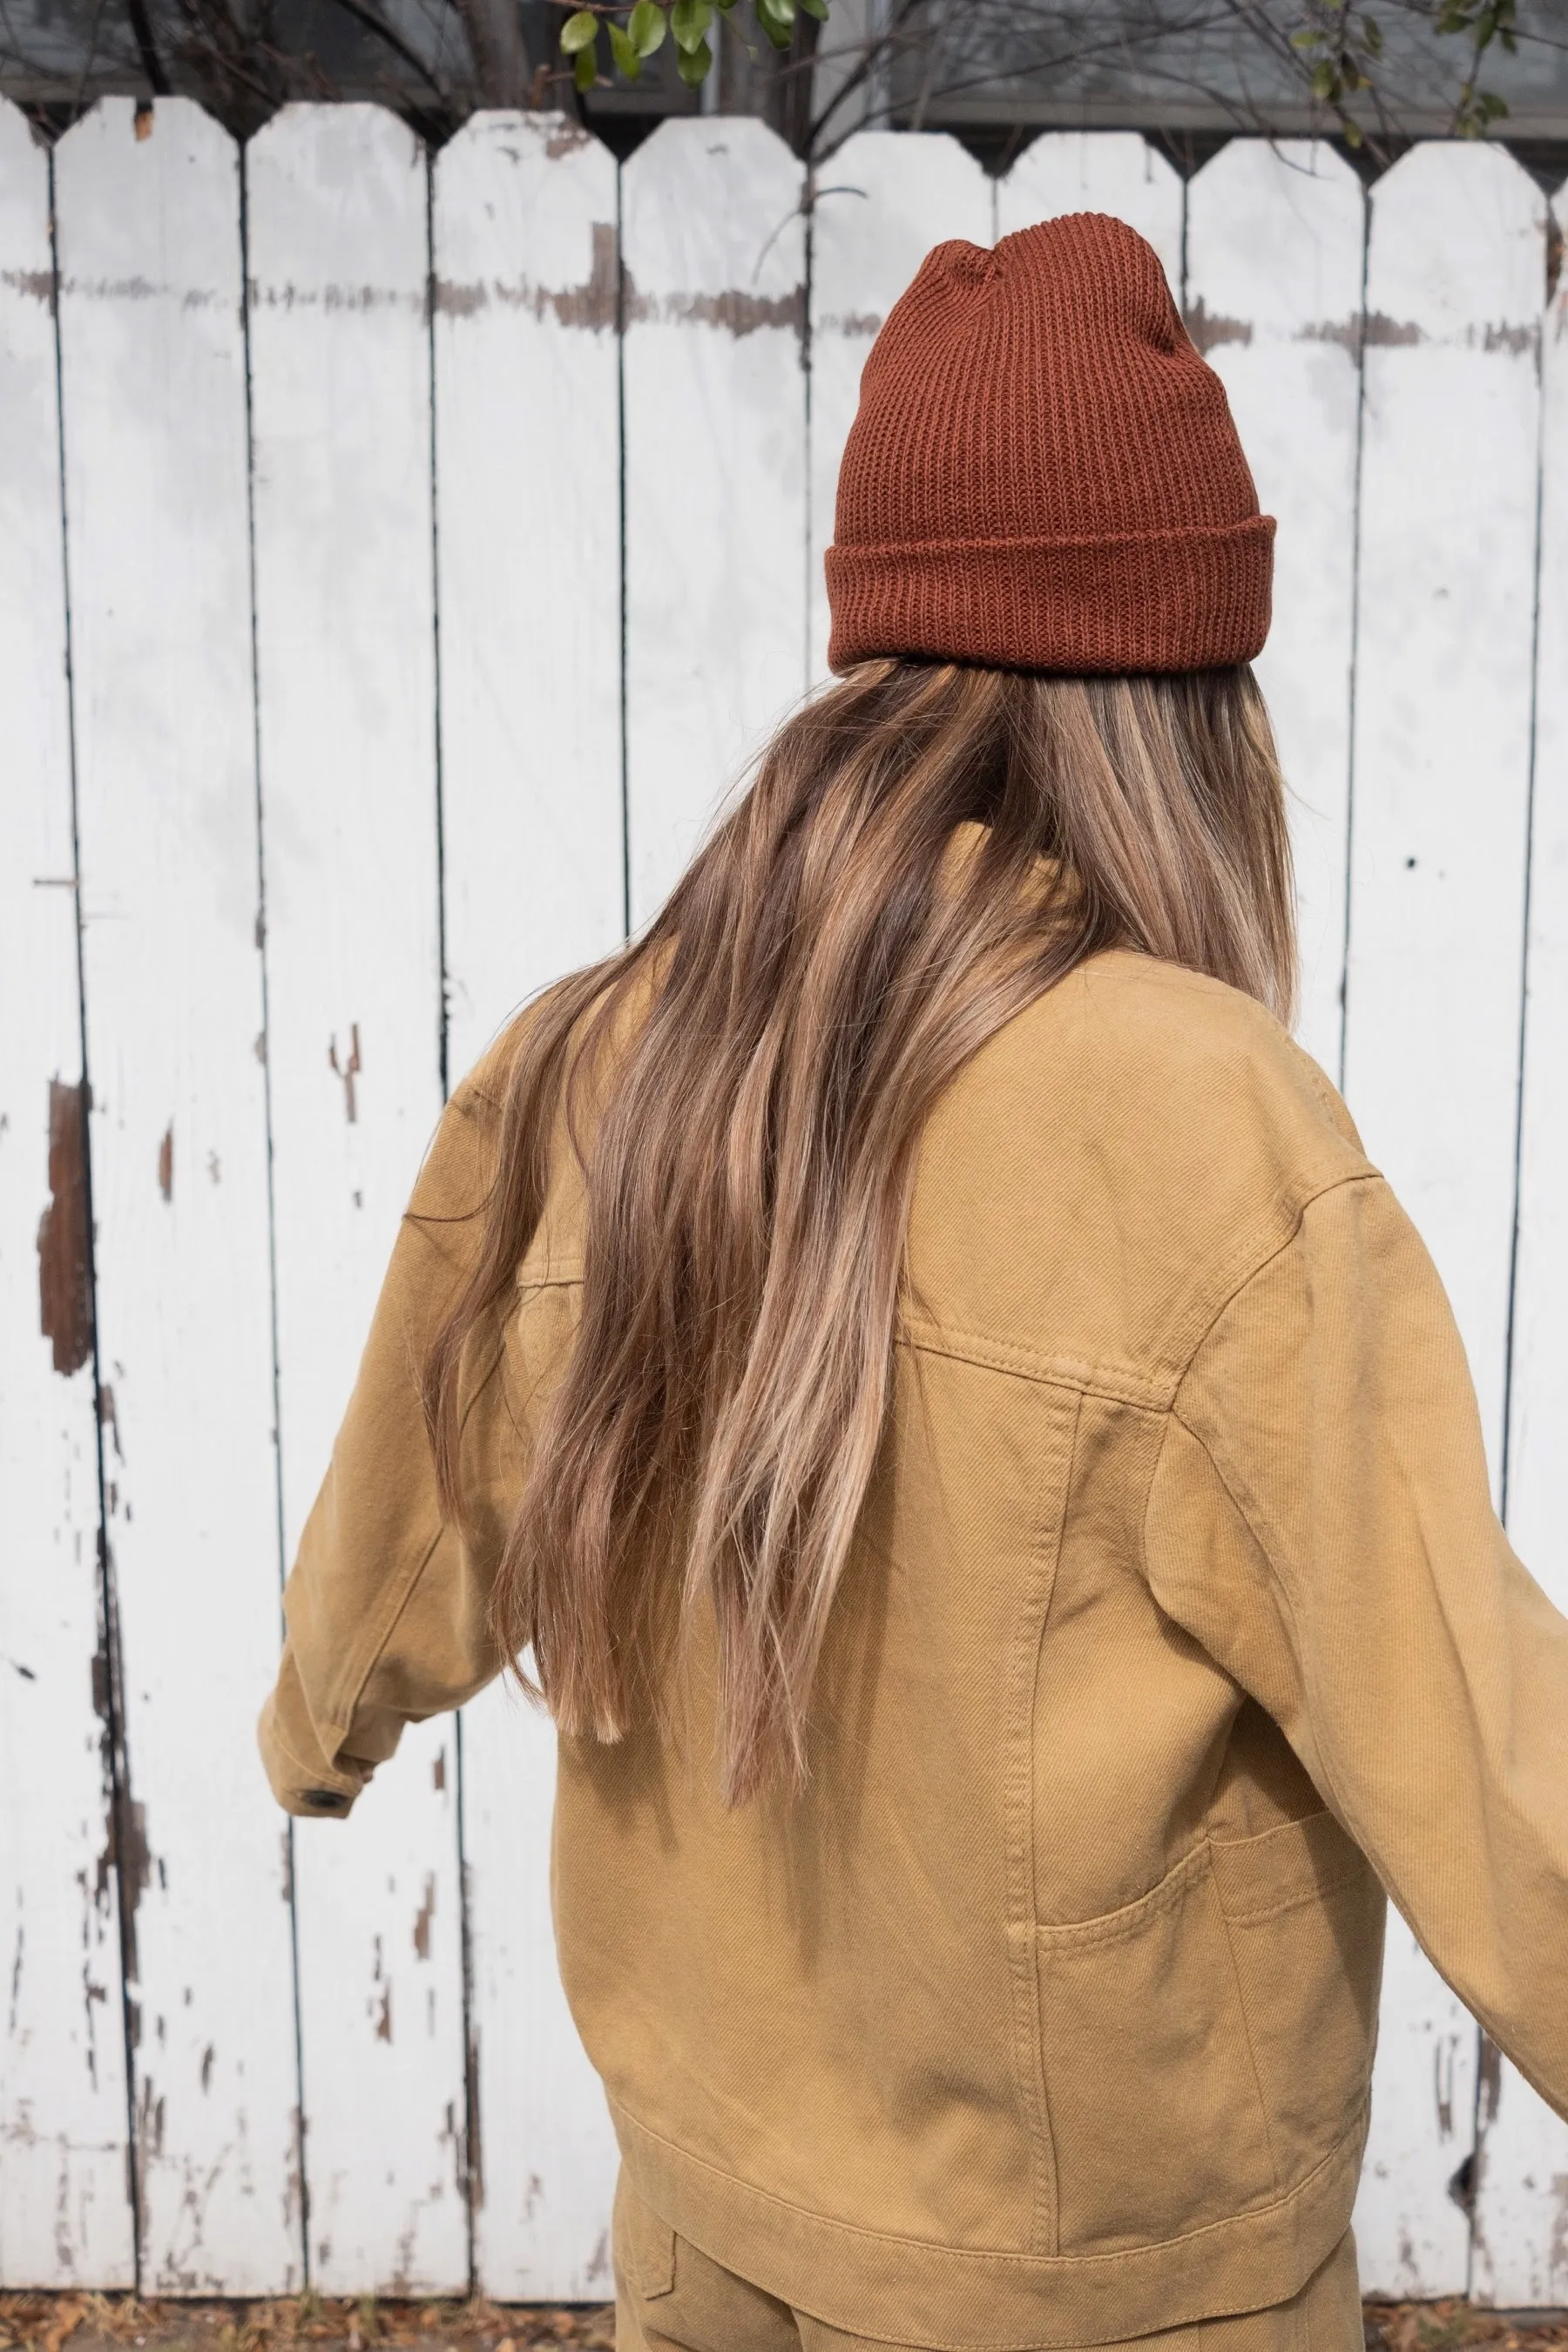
(325, 1801)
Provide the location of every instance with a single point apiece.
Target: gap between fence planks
(313, 884)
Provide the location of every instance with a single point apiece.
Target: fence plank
(1276, 236)
(529, 582)
(529, 590)
(1522, 2188)
(1098, 172)
(718, 639)
(341, 391)
(153, 374)
(713, 256)
(884, 200)
(65, 2219)
(1442, 734)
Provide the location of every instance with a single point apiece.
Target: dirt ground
(97, 2323)
(113, 2323)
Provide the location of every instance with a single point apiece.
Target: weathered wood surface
(1276, 249)
(1113, 172)
(1522, 2187)
(467, 528)
(878, 207)
(1446, 612)
(528, 537)
(713, 282)
(152, 372)
(529, 591)
(65, 2217)
(338, 265)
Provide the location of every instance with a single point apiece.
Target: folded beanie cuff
(1196, 598)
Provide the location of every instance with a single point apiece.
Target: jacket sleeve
(387, 1608)
(1319, 1520)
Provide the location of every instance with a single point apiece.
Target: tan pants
(698, 2306)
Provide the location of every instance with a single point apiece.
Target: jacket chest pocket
(1156, 2110)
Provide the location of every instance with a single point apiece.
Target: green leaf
(693, 64)
(1372, 35)
(1352, 132)
(818, 9)
(585, 72)
(1309, 38)
(1325, 81)
(579, 32)
(624, 49)
(645, 28)
(689, 20)
(775, 27)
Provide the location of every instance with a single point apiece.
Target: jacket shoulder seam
(1252, 1262)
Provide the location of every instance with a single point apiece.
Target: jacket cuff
(315, 1791)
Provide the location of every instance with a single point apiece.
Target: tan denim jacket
(1179, 1628)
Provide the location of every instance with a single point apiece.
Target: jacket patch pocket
(1305, 1914)
(1155, 2107)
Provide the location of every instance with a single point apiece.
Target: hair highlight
(924, 851)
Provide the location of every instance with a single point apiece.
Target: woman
(986, 1471)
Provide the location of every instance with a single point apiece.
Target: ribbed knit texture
(1043, 474)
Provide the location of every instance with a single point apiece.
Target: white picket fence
(387, 593)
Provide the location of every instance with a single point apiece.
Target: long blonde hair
(746, 1087)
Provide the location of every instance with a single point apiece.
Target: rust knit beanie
(1043, 474)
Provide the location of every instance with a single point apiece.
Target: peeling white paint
(528, 292)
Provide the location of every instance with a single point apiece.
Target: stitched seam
(1294, 1828)
(1133, 1388)
(349, 1687)
(1344, 1813)
(1299, 1902)
(1130, 1918)
(1024, 1968)
(1146, 1391)
(310, 1773)
(1247, 1262)
(1323, 1089)
(1247, 2031)
(996, 2255)
(549, 1277)
(1260, 1265)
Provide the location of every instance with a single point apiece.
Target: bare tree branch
(367, 16)
(498, 50)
